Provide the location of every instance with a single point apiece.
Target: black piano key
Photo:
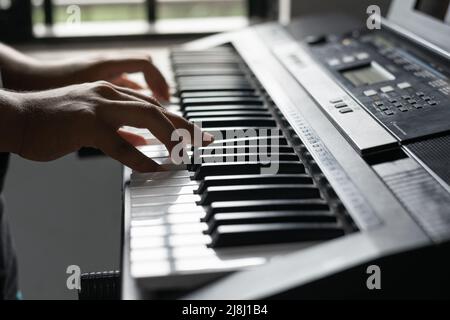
(222, 219)
(241, 157)
(209, 89)
(225, 108)
(258, 192)
(259, 133)
(272, 233)
(234, 122)
(215, 87)
(249, 141)
(243, 149)
(186, 72)
(265, 205)
(234, 113)
(192, 102)
(232, 180)
(219, 94)
(212, 78)
(206, 64)
(204, 59)
(206, 83)
(233, 168)
(214, 50)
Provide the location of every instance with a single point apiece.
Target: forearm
(11, 124)
(23, 73)
(17, 69)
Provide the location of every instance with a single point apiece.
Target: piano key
(214, 50)
(142, 184)
(224, 149)
(252, 141)
(225, 108)
(215, 87)
(186, 72)
(166, 175)
(168, 230)
(186, 265)
(258, 192)
(149, 211)
(212, 79)
(241, 134)
(162, 200)
(191, 102)
(161, 191)
(233, 113)
(258, 234)
(241, 157)
(265, 205)
(208, 270)
(174, 241)
(220, 169)
(231, 180)
(234, 122)
(206, 83)
(205, 59)
(158, 254)
(218, 94)
(198, 63)
(168, 219)
(199, 160)
(221, 219)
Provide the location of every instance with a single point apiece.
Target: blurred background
(69, 211)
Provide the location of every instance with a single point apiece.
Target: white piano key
(164, 218)
(161, 191)
(171, 241)
(152, 210)
(168, 208)
(168, 230)
(163, 183)
(170, 254)
(161, 200)
(215, 263)
(136, 176)
(156, 154)
(160, 268)
(152, 148)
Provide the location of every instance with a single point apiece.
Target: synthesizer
(355, 124)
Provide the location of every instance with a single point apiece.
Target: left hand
(38, 75)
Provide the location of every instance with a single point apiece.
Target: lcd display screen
(367, 75)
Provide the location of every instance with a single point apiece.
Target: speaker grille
(435, 153)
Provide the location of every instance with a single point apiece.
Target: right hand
(49, 124)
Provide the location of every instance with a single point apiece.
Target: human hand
(24, 73)
(49, 124)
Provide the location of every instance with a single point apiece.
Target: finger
(153, 76)
(125, 82)
(138, 95)
(198, 138)
(156, 81)
(134, 139)
(143, 115)
(117, 148)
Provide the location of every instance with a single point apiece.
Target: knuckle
(103, 87)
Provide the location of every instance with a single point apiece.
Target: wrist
(12, 122)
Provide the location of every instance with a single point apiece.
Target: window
(124, 17)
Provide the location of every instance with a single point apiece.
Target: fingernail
(207, 137)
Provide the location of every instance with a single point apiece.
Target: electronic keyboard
(330, 155)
